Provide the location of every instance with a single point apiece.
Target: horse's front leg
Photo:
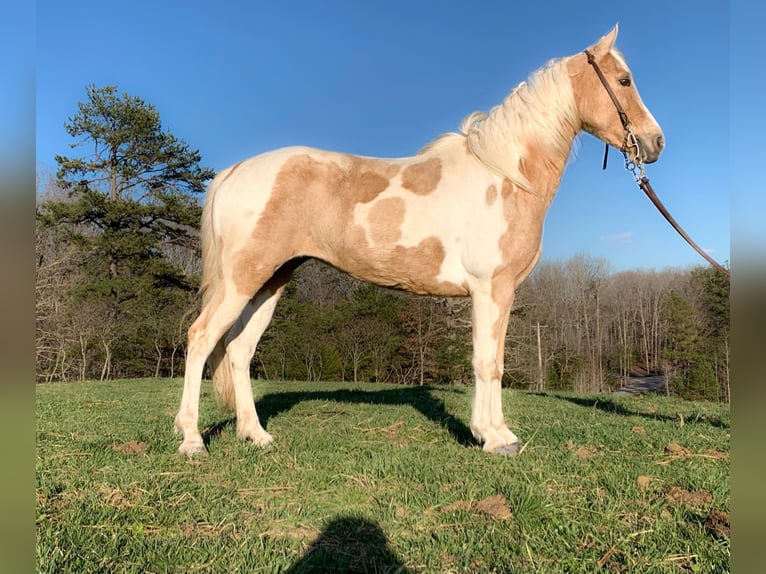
(490, 322)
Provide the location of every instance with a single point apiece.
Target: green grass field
(379, 478)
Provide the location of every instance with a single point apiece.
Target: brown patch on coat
(520, 244)
(304, 191)
(426, 260)
(520, 247)
(524, 212)
(491, 195)
(541, 170)
(415, 269)
(310, 213)
(507, 188)
(422, 178)
(385, 219)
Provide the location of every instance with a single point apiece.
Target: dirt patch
(717, 524)
(717, 454)
(131, 447)
(675, 496)
(113, 497)
(295, 532)
(643, 482)
(676, 449)
(585, 451)
(494, 506)
(456, 506)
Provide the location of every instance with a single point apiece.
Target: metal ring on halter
(635, 166)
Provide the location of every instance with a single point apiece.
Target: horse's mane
(541, 108)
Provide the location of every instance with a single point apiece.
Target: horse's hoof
(264, 441)
(506, 449)
(260, 438)
(192, 449)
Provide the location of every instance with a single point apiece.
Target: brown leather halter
(636, 166)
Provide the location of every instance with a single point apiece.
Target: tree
(689, 369)
(131, 208)
(714, 289)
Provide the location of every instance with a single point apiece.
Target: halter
(636, 166)
(630, 141)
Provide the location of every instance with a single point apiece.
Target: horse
(462, 217)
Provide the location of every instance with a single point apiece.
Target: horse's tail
(220, 368)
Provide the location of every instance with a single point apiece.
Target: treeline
(118, 269)
(597, 328)
(575, 326)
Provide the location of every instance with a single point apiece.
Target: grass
(379, 478)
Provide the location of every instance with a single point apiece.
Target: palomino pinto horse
(462, 217)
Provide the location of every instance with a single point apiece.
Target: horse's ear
(606, 43)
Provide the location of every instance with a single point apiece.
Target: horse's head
(600, 107)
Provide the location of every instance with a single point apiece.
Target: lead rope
(636, 168)
(646, 187)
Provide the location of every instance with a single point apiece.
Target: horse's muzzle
(651, 146)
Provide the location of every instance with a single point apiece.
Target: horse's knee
(486, 370)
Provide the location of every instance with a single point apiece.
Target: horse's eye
(625, 82)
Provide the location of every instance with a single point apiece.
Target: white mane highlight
(540, 110)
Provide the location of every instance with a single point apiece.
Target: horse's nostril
(660, 142)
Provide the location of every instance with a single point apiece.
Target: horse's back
(374, 218)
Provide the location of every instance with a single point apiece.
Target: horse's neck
(528, 138)
(550, 168)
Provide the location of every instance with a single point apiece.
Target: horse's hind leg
(216, 318)
(241, 348)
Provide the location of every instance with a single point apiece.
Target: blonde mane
(540, 110)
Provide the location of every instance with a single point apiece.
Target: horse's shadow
(420, 398)
(609, 405)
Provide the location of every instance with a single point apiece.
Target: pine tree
(132, 211)
(714, 287)
(691, 373)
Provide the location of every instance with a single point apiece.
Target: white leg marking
(490, 322)
(239, 352)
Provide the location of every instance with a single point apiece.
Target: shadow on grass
(420, 398)
(350, 544)
(609, 405)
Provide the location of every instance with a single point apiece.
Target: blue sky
(237, 78)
